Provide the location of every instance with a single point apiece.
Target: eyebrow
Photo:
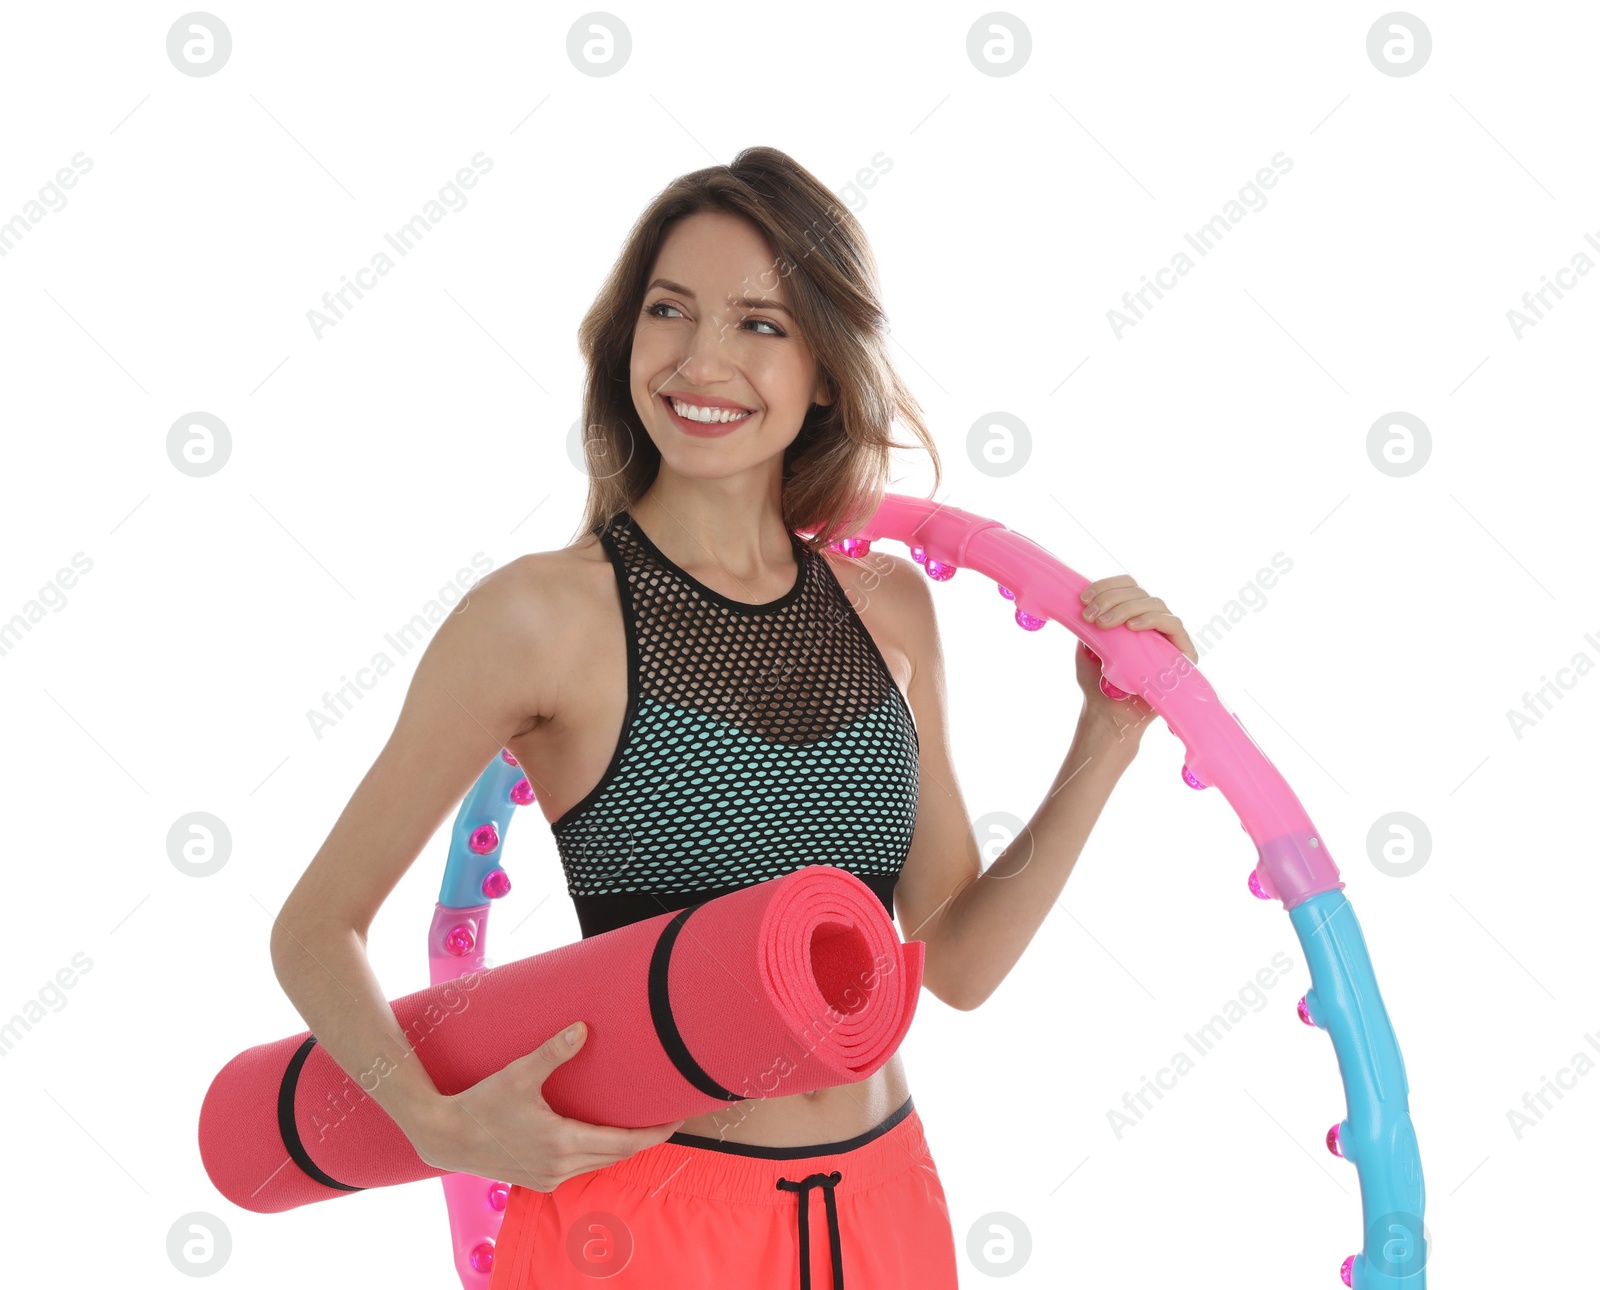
(749, 302)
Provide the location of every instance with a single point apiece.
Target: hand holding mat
(783, 987)
(470, 1136)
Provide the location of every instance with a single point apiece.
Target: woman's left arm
(977, 921)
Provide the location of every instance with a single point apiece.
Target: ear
(823, 395)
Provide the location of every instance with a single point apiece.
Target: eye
(650, 312)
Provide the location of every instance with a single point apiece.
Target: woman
(778, 705)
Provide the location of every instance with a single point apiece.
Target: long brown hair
(835, 471)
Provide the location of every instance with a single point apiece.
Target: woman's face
(714, 328)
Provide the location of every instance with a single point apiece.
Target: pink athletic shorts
(868, 1212)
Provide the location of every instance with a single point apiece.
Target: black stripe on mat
(289, 1131)
(661, 1013)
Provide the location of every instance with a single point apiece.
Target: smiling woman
(731, 716)
(699, 706)
(747, 286)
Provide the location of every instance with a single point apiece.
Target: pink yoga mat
(782, 987)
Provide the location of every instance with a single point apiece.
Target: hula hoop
(1293, 867)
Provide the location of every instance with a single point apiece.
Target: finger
(1103, 600)
(1169, 626)
(1118, 605)
(610, 1140)
(1106, 584)
(638, 1140)
(615, 1141)
(1166, 623)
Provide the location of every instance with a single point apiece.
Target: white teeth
(689, 412)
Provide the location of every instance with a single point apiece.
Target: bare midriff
(804, 1119)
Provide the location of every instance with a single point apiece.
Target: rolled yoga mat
(786, 986)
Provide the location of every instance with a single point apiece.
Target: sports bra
(758, 739)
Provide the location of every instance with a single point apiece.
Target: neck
(744, 537)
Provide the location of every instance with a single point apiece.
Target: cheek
(780, 378)
(653, 353)
(639, 358)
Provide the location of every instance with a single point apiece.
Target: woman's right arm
(485, 676)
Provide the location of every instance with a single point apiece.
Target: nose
(706, 358)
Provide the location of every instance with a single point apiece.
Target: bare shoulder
(540, 582)
(541, 607)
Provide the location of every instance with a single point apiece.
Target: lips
(704, 429)
(707, 401)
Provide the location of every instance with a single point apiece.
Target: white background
(432, 422)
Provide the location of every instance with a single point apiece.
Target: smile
(696, 419)
(699, 412)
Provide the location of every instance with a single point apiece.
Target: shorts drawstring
(803, 1214)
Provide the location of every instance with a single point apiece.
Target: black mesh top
(758, 739)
